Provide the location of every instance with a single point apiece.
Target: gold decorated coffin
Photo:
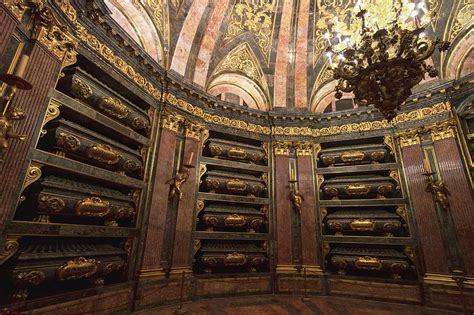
(373, 259)
(73, 141)
(361, 154)
(42, 265)
(364, 223)
(63, 197)
(358, 187)
(225, 149)
(232, 255)
(78, 84)
(224, 182)
(224, 218)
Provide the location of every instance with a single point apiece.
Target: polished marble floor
(278, 304)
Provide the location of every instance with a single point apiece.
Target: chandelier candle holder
(381, 61)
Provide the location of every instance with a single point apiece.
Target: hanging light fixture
(383, 57)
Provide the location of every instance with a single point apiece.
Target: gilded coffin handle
(362, 225)
(77, 268)
(357, 189)
(235, 259)
(352, 156)
(103, 153)
(237, 153)
(113, 107)
(236, 185)
(92, 207)
(234, 220)
(368, 263)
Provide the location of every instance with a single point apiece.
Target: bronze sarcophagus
(73, 141)
(42, 265)
(364, 223)
(383, 260)
(232, 218)
(358, 187)
(79, 85)
(225, 149)
(224, 182)
(361, 154)
(71, 199)
(231, 255)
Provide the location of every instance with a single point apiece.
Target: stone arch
(137, 23)
(461, 58)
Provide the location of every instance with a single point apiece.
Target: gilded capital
(17, 7)
(409, 137)
(303, 148)
(443, 130)
(171, 121)
(194, 131)
(60, 42)
(282, 147)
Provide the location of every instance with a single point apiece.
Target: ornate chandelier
(380, 65)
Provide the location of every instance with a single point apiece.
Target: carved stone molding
(9, 248)
(409, 137)
(282, 147)
(17, 7)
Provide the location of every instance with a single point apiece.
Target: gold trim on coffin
(103, 153)
(368, 263)
(234, 220)
(352, 156)
(237, 153)
(236, 185)
(357, 189)
(235, 259)
(362, 225)
(77, 268)
(92, 207)
(113, 107)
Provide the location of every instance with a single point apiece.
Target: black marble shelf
(83, 169)
(358, 168)
(234, 164)
(230, 236)
(363, 202)
(95, 116)
(367, 240)
(232, 198)
(68, 230)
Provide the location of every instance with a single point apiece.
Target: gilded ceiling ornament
(243, 60)
(257, 17)
(159, 9)
(462, 18)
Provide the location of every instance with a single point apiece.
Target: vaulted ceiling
(269, 54)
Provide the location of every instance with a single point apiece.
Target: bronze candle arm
(295, 196)
(9, 114)
(179, 179)
(436, 187)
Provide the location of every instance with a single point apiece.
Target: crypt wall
(88, 213)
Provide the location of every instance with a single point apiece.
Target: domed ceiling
(270, 54)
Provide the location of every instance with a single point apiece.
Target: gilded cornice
(194, 131)
(282, 147)
(60, 42)
(409, 137)
(442, 130)
(303, 148)
(118, 62)
(171, 121)
(216, 119)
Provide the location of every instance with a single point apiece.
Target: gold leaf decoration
(257, 17)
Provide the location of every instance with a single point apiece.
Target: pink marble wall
(301, 60)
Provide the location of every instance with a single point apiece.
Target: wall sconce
(179, 179)
(14, 82)
(295, 196)
(437, 188)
